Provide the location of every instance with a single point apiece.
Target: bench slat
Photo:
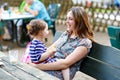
(16, 72)
(106, 54)
(81, 76)
(6, 76)
(24, 71)
(99, 70)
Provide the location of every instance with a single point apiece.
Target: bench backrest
(102, 63)
(57, 35)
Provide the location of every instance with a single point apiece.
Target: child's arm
(50, 51)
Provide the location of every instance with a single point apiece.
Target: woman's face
(70, 22)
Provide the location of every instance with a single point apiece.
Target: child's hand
(51, 50)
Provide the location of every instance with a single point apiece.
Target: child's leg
(66, 74)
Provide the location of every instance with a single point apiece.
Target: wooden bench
(102, 63)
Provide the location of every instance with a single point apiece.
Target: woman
(73, 45)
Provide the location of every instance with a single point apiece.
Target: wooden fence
(100, 15)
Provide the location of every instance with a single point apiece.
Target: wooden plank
(100, 70)
(36, 72)
(2, 54)
(18, 73)
(6, 76)
(82, 76)
(106, 54)
(26, 72)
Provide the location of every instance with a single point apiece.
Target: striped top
(36, 49)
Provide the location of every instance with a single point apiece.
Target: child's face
(45, 32)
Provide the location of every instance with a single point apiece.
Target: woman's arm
(75, 56)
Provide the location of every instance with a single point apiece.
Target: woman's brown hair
(82, 25)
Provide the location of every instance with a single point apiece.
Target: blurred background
(101, 13)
